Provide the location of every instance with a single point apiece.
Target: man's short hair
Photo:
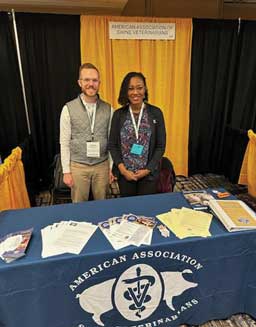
(88, 65)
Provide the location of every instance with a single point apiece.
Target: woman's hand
(142, 173)
(128, 175)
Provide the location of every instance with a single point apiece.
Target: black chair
(60, 193)
(167, 177)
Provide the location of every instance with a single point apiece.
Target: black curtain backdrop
(244, 105)
(213, 139)
(50, 53)
(243, 110)
(13, 125)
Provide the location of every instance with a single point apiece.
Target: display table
(166, 284)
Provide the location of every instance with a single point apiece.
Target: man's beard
(95, 92)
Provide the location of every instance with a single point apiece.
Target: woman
(137, 138)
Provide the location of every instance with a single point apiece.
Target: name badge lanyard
(137, 126)
(92, 121)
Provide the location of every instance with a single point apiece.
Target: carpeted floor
(194, 182)
(234, 321)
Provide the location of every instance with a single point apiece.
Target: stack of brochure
(235, 215)
(129, 229)
(13, 246)
(199, 200)
(66, 237)
(187, 222)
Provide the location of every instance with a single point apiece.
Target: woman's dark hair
(123, 94)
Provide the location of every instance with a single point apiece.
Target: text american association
(136, 255)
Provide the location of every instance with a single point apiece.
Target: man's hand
(68, 179)
(111, 177)
(142, 173)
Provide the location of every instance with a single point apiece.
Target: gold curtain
(165, 64)
(248, 171)
(13, 191)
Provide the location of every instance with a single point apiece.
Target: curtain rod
(21, 70)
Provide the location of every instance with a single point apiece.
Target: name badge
(93, 149)
(137, 149)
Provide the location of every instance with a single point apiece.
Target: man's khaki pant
(86, 176)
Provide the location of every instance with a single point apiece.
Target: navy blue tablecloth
(166, 284)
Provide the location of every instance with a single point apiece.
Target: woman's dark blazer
(157, 139)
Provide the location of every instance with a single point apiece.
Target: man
(84, 129)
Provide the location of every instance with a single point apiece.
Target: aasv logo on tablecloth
(136, 294)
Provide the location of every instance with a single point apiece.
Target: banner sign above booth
(141, 31)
